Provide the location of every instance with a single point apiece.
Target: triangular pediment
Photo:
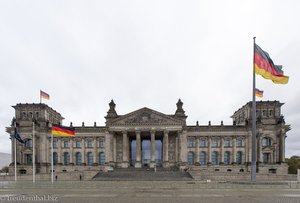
(144, 116)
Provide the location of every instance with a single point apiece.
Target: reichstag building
(146, 138)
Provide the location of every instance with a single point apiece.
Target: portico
(143, 148)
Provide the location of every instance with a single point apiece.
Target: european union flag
(18, 137)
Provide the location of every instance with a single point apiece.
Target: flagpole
(253, 161)
(15, 153)
(52, 175)
(33, 151)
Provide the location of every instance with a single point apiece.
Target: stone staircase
(144, 174)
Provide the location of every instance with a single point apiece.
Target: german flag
(62, 131)
(44, 95)
(259, 93)
(265, 67)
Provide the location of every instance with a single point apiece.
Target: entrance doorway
(146, 152)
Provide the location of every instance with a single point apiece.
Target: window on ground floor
(78, 158)
(202, 158)
(266, 158)
(239, 157)
(101, 158)
(66, 158)
(227, 158)
(215, 158)
(190, 157)
(90, 158)
(55, 158)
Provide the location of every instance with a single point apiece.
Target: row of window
(215, 142)
(78, 158)
(29, 115)
(78, 143)
(215, 160)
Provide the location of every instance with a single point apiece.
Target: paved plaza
(148, 192)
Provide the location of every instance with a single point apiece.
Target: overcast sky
(146, 54)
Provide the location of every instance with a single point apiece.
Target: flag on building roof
(259, 93)
(62, 131)
(17, 136)
(265, 67)
(44, 95)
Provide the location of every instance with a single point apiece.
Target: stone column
(59, 154)
(166, 149)
(152, 160)
(108, 147)
(83, 155)
(71, 152)
(183, 148)
(197, 163)
(138, 163)
(282, 146)
(95, 162)
(209, 151)
(115, 149)
(125, 163)
(234, 150)
(222, 150)
(176, 149)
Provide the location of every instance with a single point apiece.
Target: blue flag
(18, 137)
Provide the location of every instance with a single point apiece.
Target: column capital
(124, 132)
(138, 132)
(166, 132)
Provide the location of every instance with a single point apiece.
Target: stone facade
(147, 138)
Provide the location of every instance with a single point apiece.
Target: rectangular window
(66, 144)
(239, 142)
(215, 142)
(89, 144)
(202, 142)
(270, 113)
(191, 142)
(227, 142)
(28, 158)
(77, 143)
(266, 158)
(54, 143)
(101, 143)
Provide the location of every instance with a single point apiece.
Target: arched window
(227, 158)
(239, 158)
(101, 158)
(66, 158)
(78, 158)
(266, 142)
(190, 157)
(90, 158)
(215, 158)
(202, 158)
(55, 158)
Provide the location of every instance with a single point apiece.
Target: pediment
(144, 116)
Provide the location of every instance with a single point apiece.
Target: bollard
(298, 175)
